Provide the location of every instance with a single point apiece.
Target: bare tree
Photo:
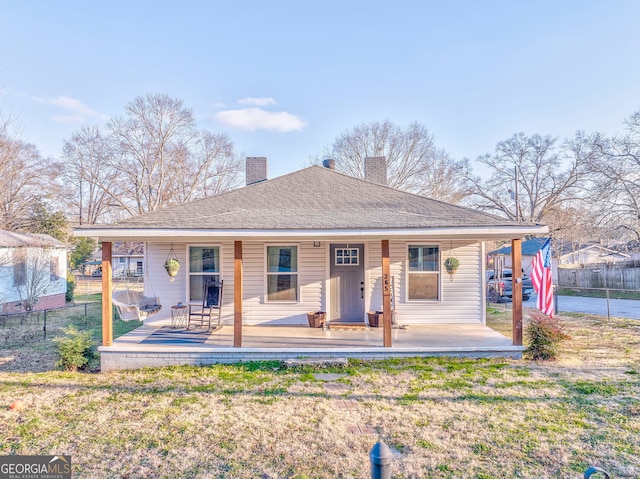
(25, 177)
(161, 159)
(616, 171)
(413, 162)
(547, 177)
(88, 170)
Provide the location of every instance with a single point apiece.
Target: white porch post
(107, 303)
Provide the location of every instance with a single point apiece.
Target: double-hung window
(423, 273)
(282, 273)
(204, 263)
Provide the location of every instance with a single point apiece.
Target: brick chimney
(255, 169)
(375, 169)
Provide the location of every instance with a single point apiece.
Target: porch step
(348, 325)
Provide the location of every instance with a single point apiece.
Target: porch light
(316, 244)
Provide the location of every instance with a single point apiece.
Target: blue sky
(284, 78)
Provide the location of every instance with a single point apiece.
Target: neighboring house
(127, 259)
(33, 272)
(592, 254)
(317, 239)
(529, 250)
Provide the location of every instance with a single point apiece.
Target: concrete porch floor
(286, 342)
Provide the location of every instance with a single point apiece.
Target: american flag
(542, 280)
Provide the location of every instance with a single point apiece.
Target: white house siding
(311, 283)
(255, 310)
(11, 295)
(461, 300)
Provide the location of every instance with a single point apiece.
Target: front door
(347, 282)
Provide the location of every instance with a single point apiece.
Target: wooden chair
(211, 301)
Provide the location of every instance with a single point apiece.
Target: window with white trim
(423, 281)
(347, 256)
(204, 263)
(282, 273)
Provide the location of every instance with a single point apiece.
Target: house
(127, 259)
(529, 250)
(313, 240)
(33, 272)
(592, 254)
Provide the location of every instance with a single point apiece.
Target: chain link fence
(21, 329)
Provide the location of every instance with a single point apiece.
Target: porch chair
(132, 305)
(211, 301)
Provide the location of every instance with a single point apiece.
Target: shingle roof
(312, 198)
(11, 239)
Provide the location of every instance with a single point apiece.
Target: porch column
(237, 295)
(516, 291)
(386, 294)
(107, 302)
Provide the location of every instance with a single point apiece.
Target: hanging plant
(172, 265)
(451, 264)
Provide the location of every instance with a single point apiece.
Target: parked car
(97, 273)
(500, 289)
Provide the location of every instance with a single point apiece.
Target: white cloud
(74, 110)
(257, 101)
(258, 119)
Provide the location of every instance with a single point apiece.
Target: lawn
(443, 418)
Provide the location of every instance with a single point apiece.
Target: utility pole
(514, 193)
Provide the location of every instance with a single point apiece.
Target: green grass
(453, 418)
(592, 293)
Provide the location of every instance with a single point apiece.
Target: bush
(71, 287)
(76, 350)
(544, 336)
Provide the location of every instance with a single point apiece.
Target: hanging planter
(172, 265)
(451, 264)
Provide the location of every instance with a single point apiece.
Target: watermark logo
(35, 467)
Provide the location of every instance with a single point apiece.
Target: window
(282, 273)
(54, 269)
(423, 272)
(139, 270)
(204, 263)
(20, 273)
(121, 260)
(347, 256)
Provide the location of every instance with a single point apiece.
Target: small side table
(179, 316)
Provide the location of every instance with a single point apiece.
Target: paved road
(620, 308)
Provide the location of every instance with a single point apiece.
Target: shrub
(544, 336)
(71, 287)
(76, 350)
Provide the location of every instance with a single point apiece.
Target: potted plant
(451, 264)
(172, 266)
(316, 319)
(375, 318)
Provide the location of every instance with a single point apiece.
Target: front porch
(155, 345)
